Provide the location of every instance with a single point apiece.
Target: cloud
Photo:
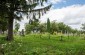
(73, 15)
(56, 1)
(50, 2)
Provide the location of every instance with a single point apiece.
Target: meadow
(35, 44)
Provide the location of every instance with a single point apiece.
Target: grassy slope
(34, 45)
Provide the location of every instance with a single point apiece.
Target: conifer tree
(16, 9)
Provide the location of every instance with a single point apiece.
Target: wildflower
(20, 45)
(2, 46)
(9, 43)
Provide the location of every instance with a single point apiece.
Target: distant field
(36, 45)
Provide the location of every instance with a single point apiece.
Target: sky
(70, 12)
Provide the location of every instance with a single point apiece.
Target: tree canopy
(15, 9)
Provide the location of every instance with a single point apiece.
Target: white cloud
(56, 1)
(73, 15)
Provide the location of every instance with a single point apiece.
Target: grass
(36, 45)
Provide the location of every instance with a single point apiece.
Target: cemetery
(42, 27)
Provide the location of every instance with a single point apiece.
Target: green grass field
(36, 45)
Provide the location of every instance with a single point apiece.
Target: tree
(15, 9)
(33, 23)
(28, 28)
(3, 25)
(42, 27)
(83, 27)
(74, 31)
(48, 25)
(61, 27)
(54, 27)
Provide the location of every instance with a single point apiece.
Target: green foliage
(74, 31)
(42, 27)
(54, 27)
(62, 27)
(3, 24)
(17, 26)
(48, 25)
(30, 45)
(31, 26)
(58, 27)
(28, 28)
(15, 9)
(83, 27)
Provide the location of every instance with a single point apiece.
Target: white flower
(9, 43)
(20, 45)
(2, 46)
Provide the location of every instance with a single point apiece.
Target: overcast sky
(70, 12)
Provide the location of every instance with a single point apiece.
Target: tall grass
(33, 44)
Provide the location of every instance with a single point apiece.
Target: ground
(33, 44)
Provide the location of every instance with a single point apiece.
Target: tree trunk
(10, 29)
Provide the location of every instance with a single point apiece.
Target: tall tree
(48, 25)
(15, 9)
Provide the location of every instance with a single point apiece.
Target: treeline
(51, 27)
(34, 26)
